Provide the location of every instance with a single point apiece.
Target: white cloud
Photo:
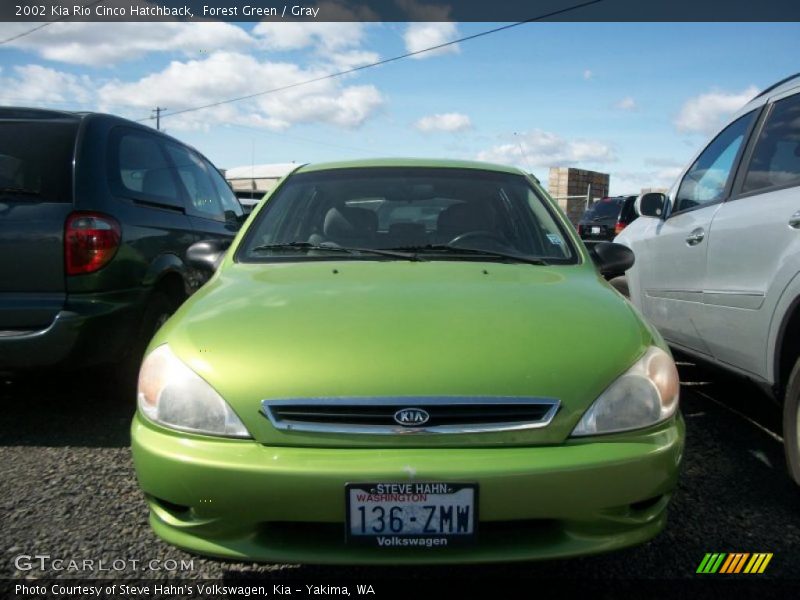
(36, 85)
(587, 74)
(632, 182)
(105, 44)
(545, 149)
(335, 44)
(707, 112)
(444, 122)
(348, 108)
(224, 75)
(663, 162)
(627, 103)
(298, 35)
(350, 59)
(419, 36)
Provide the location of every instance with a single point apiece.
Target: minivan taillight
(619, 227)
(90, 241)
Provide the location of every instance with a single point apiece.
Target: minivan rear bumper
(91, 329)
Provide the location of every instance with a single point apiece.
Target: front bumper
(241, 499)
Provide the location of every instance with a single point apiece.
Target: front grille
(410, 415)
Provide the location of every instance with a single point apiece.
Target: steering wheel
(493, 238)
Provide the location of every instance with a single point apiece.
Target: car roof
(763, 97)
(24, 113)
(781, 86)
(409, 162)
(47, 114)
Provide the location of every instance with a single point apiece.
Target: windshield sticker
(555, 239)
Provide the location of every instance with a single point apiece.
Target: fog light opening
(645, 504)
(178, 510)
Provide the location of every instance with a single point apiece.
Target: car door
(754, 241)
(146, 199)
(673, 278)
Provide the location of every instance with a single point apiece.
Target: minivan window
(776, 156)
(707, 179)
(139, 169)
(36, 160)
(230, 203)
(202, 194)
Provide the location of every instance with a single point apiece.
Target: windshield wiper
(310, 246)
(474, 251)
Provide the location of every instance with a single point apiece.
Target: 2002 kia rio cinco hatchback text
(407, 361)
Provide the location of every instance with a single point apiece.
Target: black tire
(791, 423)
(159, 308)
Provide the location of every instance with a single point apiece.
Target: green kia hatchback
(407, 361)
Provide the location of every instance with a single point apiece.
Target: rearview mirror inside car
(651, 204)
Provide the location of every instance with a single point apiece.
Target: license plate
(403, 515)
(595, 231)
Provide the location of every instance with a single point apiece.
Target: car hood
(396, 328)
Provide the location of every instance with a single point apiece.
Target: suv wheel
(791, 423)
(159, 308)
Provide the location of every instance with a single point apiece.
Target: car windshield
(430, 212)
(603, 209)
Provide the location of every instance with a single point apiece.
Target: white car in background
(718, 258)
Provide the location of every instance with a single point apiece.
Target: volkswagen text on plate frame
(407, 361)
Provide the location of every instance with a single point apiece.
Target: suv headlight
(173, 395)
(644, 395)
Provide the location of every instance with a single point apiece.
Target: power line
(377, 63)
(43, 25)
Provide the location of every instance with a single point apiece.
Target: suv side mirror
(207, 255)
(611, 259)
(652, 204)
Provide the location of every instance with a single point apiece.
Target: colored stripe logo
(735, 562)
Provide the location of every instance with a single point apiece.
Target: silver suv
(718, 258)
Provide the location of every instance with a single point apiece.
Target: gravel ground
(67, 489)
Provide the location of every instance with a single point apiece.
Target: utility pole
(157, 112)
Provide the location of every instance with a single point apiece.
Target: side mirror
(207, 255)
(611, 259)
(652, 204)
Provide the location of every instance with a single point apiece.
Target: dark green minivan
(96, 214)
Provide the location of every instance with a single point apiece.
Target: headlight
(645, 394)
(173, 395)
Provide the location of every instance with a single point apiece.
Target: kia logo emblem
(411, 417)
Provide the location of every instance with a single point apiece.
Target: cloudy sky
(635, 100)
